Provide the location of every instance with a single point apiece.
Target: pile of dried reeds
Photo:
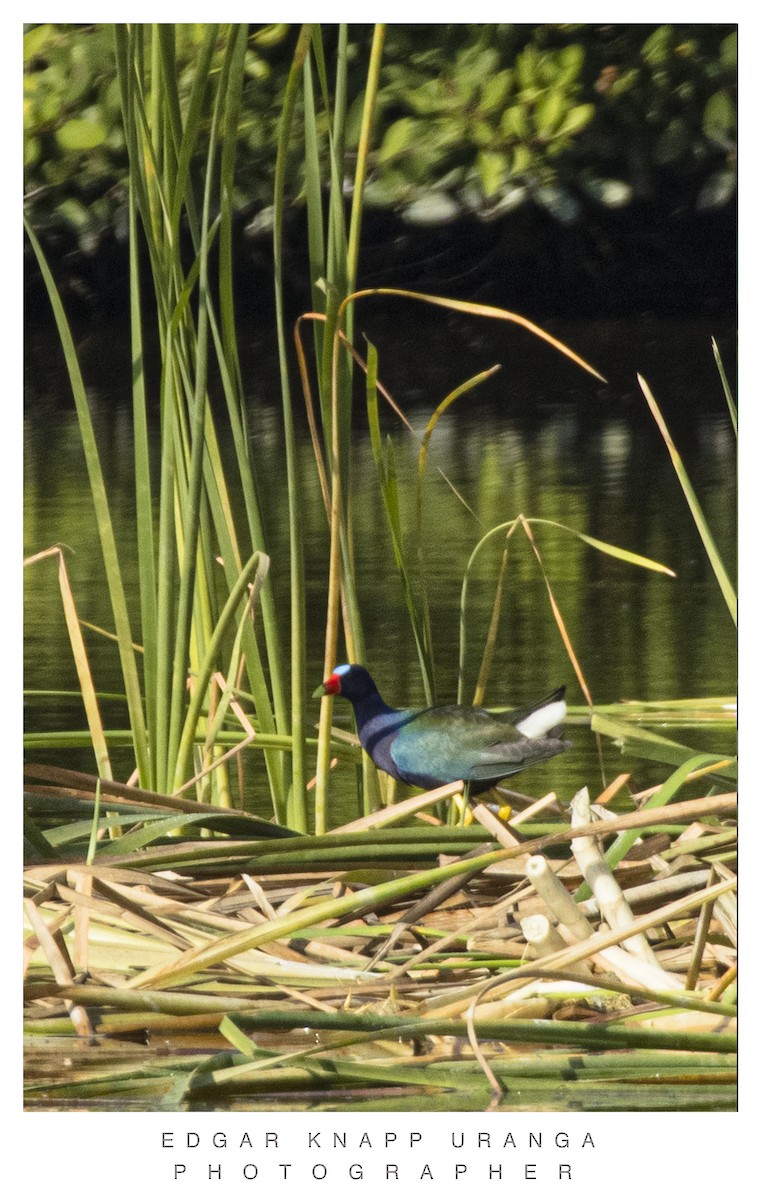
(257, 971)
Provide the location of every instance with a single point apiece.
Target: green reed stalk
(194, 711)
(228, 359)
(145, 538)
(389, 488)
(296, 813)
(192, 506)
(339, 261)
(103, 521)
(169, 148)
(183, 621)
(371, 798)
(363, 150)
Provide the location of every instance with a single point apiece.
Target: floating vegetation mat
(540, 957)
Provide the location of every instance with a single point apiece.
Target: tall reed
(185, 526)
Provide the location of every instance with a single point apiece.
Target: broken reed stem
(541, 935)
(497, 827)
(700, 939)
(602, 883)
(54, 949)
(658, 889)
(405, 808)
(599, 942)
(567, 912)
(725, 981)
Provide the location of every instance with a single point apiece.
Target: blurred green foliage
(471, 118)
(75, 156)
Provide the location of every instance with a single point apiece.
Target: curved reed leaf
(508, 527)
(207, 667)
(726, 388)
(628, 556)
(703, 529)
(479, 310)
(434, 419)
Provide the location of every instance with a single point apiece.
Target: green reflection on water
(597, 465)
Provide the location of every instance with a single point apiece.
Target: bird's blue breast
(378, 729)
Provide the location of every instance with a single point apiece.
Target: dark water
(541, 438)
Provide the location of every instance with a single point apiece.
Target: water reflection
(547, 444)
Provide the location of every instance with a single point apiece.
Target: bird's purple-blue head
(349, 680)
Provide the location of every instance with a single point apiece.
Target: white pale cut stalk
(658, 889)
(606, 890)
(625, 966)
(550, 889)
(541, 934)
(502, 943)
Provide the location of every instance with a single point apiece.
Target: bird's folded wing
(501, 761)
(466, 746)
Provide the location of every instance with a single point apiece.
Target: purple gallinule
(430, 746)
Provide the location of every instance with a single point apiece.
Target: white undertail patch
(540, 722)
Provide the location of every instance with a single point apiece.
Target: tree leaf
(550, 111)
(672, 143)
(570, 63)
(717, 190)
(436, 208)
(729, 51)
(514, 122)
(79, 134)
(495, 90)
(576, 119)
(719, 117)
(491, 166)
(527, 65)
(398, 137)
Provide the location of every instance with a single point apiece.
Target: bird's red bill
(332, 686)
